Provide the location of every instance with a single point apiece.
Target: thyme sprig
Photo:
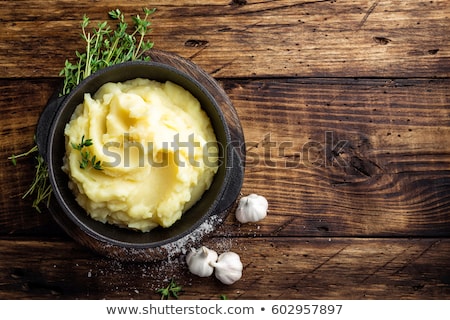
(40, 186)
(14, 157)
(171, 290)
(105, 46)
(86, 158)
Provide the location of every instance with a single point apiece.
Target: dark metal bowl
(116, 241)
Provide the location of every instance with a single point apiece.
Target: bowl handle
(45, 122)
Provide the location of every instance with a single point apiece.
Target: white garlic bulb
(200, 261)
(251, 208)
(228, 268)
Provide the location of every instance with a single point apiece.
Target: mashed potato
(157, 149)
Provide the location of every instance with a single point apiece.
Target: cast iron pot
(205, 215)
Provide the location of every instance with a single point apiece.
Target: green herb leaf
(116, 14)
(86, 158)
(172, 290)
(40, 186)
(14, 157)
(87, 143)
(13, 160)
(106, 47)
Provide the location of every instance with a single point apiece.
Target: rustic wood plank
(261, 38)
(389, 173)
(21, 103)
(362, 157)
(345, 107)
(281, 268)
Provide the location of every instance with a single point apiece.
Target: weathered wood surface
(261, 38)
(281, 268)
(343, 157)
(345, 107)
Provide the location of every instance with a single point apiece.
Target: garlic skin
(252, 208)
(200, 261)
(228, 268)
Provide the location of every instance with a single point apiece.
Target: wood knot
(323, 228)
(238, 2)
(433, 51)
(194, 43)
(381, 40)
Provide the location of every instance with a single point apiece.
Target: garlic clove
(228, 268)
(252, 208)
(199, 261)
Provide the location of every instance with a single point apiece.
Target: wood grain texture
(261, 38)
(354, 157)
(345, 108)
(21, 104)
(349, 158)
(283, 268)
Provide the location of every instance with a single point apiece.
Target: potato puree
(158, 153)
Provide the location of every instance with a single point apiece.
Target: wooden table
(345, 107)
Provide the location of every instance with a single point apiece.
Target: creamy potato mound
(157, 149)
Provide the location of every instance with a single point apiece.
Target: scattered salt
(157, 266)
(182, 245)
